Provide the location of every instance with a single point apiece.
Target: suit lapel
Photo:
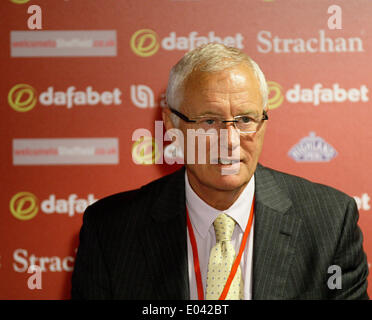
(165, 240)
(275, 234)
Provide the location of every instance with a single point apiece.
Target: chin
(211, 176)
(228, 182)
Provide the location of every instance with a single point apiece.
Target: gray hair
(211, 57)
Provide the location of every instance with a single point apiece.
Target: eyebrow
(208, 113)
(250, 114)
(213, 114)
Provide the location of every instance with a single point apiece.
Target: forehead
(234, 86)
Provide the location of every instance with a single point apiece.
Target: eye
(209, 121)
(245, 119)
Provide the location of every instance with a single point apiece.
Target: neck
(218, 199)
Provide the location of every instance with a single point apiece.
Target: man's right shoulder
(124, 203)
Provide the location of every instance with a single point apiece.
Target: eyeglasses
(243, 123)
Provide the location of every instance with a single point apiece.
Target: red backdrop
(73, 93)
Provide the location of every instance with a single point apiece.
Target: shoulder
(315, 203)
(304, 189)
(122, 204)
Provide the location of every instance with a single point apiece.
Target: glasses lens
(209, 123)
(246, 124)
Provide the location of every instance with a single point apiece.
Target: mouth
(228, 162)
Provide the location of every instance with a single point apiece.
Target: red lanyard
(234, 266)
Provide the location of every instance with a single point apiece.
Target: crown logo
(312, 149)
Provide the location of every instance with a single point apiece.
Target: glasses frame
(186, 119)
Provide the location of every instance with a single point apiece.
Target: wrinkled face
(226, 94)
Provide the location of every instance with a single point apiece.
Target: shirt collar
(203, 215)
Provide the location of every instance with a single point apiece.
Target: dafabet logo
(146, 42)
(25, 205)
(315, 95)
(145, 151)
(19, 1)
(276, 96)
(23, 97)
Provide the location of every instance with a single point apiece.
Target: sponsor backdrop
(79, 77)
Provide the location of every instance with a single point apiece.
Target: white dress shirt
(202, 217)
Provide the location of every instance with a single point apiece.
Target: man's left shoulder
(300, 185)
(312, 199)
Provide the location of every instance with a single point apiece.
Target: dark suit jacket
(133, 245)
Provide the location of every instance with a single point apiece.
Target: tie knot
(224, 227)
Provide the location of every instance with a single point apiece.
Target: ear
(167, 119)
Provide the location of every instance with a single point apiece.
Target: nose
(230, 138)
(233, 136)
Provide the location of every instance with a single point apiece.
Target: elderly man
(199, 233)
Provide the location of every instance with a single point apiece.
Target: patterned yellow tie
(221, 259)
